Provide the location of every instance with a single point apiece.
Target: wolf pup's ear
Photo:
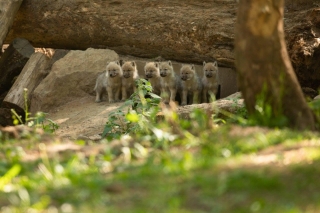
(169, 62)
(133, 63)
(204, 63)
(192, 67)
(156, 64)
(215, 64)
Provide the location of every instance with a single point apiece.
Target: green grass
(162, 164)
(211, 174)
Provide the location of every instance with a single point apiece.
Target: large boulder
(73, 76)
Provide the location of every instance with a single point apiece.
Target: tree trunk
(30, 77)
(12, 62)
(8, 10)
(263, 65)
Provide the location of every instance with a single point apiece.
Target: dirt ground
(82, 118)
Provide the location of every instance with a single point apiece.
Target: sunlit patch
(61, 120)
(263, 159)
(110, 108)
(303, 154)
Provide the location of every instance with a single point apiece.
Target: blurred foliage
(158, 162)
(38, 121)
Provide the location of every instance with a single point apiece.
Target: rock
(58, 54)
(73, 76)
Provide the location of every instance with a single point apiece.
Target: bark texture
(8, 9)
(5, 117)
(12, 62)
(181, 30)
(263, 65)
(304, 44)
(30, 77)
(191, 31)
(225, 105)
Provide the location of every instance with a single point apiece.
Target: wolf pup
(152, 73)
(101, 86)
(170, 82)
(130, 75)
(109, 81)
(209, 80)
(191, 85)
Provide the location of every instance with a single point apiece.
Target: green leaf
(106, 130)
(133, 117)
(154, 96)
(14, 171)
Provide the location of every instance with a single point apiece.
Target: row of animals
(164, 81)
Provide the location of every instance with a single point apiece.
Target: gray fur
(191, 85)
(109, 81)
(210, 80)
(130, 75)
(170, 82)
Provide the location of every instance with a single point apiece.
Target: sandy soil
(82, 118)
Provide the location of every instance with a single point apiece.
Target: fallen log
(30, 77)
(189, 31)
(8, 10)
(12, 62)
(5, 117)
(181, 30)
(224, 108)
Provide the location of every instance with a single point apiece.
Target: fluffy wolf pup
(170, 82)
(191, 85)
(109, 81)
(210, 80)
(130, 75)
(152, 73)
